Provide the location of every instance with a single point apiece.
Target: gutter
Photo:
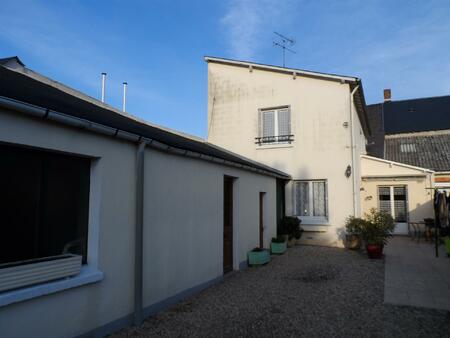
(139, 234)
(124, 135)
(352, 148)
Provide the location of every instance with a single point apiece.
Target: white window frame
(275, 110)
(313, 220)
(392, 200)
(90, 272)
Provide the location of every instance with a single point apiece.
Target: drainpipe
(352, 149)
(139, 231)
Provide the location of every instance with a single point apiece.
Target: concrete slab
(414, 276)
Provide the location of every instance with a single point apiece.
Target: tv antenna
(282, 44)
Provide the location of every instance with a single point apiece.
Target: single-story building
(403, 191)
(409, 157)
(145, 215)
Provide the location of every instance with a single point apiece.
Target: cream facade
(325, 141)
(182, 231)
(413, 184)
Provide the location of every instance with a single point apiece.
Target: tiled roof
(416, 115)
(429, 150)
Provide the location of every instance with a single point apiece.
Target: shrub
(354, 225)
(291, 226)
(377, 228)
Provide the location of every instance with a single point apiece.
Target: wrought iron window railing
(274, 139)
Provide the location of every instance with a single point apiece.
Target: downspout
(139, 231)
(352, 149)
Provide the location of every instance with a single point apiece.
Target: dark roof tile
(429, 150)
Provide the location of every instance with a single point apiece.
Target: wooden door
(227, 224)
(261, 220)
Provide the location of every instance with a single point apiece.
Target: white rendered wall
(321, 147)
(183, 228)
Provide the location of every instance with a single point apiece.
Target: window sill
(313, 221)
(87, 275)
(274, 146)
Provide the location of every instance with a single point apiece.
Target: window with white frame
(311, 200)
(44, 204)
(274, 126)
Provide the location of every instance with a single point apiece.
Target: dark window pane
(44, 203)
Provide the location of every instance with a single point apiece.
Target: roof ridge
(418, 134)
(413, 99)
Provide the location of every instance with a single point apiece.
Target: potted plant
(290, 228)
(258, 256)
(278, 245)
(353, 226)
(376, 232)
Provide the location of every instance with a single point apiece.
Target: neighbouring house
(413, 135)
(310, 125)
(134, 215)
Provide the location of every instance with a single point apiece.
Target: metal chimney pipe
(103, 86)
(124, 102)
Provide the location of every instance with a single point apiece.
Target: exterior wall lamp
(348, 171)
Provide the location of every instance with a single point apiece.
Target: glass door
(393, 200)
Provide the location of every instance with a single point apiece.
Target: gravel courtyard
(309, 291)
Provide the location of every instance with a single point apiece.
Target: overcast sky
(158, 46)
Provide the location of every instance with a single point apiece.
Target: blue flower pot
(258, 257)
(278, 248)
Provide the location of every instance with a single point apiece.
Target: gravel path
(309, 291)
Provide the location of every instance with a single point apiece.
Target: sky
(158, 46)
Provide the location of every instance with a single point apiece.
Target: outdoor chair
(416, 230)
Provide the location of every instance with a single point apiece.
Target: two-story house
(308, 124)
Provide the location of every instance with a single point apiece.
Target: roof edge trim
(396, 163)
(261, 66)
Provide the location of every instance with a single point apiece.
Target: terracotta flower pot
(374, 251)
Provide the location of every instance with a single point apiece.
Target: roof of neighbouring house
(22, 84)
(423, 114)
(354, 82)
(375, 145)
(429, 149)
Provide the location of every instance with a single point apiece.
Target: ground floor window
(393, 200)
(311, 200)
(44, 201)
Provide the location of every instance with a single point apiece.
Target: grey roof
(429, 150)
(354, 82)
(423, 114)
(12, 62)
(22, 84)
(375, 144)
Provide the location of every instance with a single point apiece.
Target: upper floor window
(274, 126)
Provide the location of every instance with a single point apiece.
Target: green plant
(354, 225)
(377, 228)
(278, 239)
(290, 226)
